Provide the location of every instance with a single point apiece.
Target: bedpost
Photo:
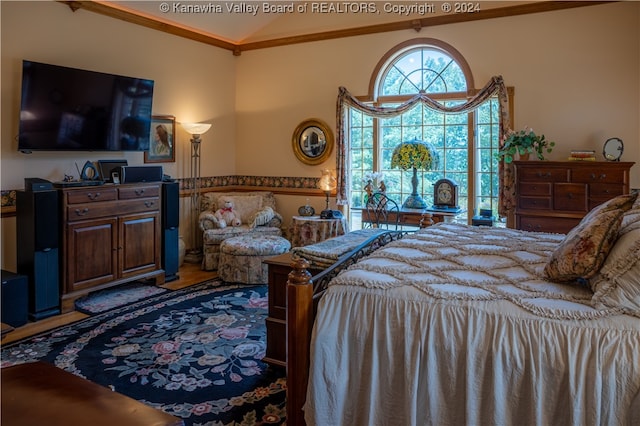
(299, 323)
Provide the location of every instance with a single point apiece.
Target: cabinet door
(91, 253)
(139, 243)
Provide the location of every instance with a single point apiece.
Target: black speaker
(170, 222)
(170, 205)
(135, 174)
(14, 299)
(37, 225)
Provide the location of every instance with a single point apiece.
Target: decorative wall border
(285, 184)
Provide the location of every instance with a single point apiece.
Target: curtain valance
(494, 87)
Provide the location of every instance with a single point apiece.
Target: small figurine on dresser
(368, 188)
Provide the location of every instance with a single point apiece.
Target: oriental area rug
(193, 353)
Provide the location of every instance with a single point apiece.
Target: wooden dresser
(110, 234)
(276, 323)
(553, 196)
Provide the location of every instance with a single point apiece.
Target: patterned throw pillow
(261, 217)
(584, 249)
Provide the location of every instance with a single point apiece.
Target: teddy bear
(227, 216)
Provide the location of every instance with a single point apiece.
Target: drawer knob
(149, 203)
(93, 196)
(140, 192)
(82, 212)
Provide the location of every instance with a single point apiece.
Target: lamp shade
(196, 128)
(414, 154)
(327, 181)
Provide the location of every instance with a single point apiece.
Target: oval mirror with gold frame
(312, 141)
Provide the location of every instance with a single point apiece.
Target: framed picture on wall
(162, 140)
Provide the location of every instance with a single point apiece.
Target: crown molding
(126, 15)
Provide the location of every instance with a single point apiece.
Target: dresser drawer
(409, 219)
(139, 192)
(97, 210)
(86, 211)
(93, 195)
(605, 190)
(570, 197)
(535, 203)
(542, 174)
(534, 188)
(598, 176)
(558, 225)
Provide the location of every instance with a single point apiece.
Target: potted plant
(524, 142)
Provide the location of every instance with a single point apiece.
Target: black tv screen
(72, 109)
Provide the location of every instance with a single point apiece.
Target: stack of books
(582, 155)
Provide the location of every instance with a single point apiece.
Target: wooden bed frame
(303, 294)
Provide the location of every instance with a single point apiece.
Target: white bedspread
(410, 336)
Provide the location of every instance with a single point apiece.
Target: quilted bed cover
(456, 325)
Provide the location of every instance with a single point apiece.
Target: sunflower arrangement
(414, 154)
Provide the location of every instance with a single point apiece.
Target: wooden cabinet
(111, 234)
(276, 322)
(553, 196)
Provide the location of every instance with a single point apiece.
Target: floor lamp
(194, 255)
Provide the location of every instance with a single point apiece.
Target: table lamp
(328, 183)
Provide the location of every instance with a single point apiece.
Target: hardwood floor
(189, 274)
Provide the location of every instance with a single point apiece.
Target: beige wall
(193, 82)
(576, 74)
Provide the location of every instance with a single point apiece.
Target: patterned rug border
(260, 409)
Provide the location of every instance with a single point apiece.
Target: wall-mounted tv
(72, 109)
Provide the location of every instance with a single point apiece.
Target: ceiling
(250, 24)
(209, 17)
(245, 21)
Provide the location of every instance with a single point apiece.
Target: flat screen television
(71, 109)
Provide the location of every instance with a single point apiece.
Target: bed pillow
(584, 249)
(617, 284)
(631, 218)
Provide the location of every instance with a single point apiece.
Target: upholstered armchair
(257, 212)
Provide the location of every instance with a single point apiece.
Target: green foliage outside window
(431, 71)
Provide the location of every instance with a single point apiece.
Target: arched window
(466, 142)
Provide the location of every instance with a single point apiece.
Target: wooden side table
(421, 218)
(42, 394)
(307, 230)
(276, 322)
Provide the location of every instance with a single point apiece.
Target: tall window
(466, 142)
